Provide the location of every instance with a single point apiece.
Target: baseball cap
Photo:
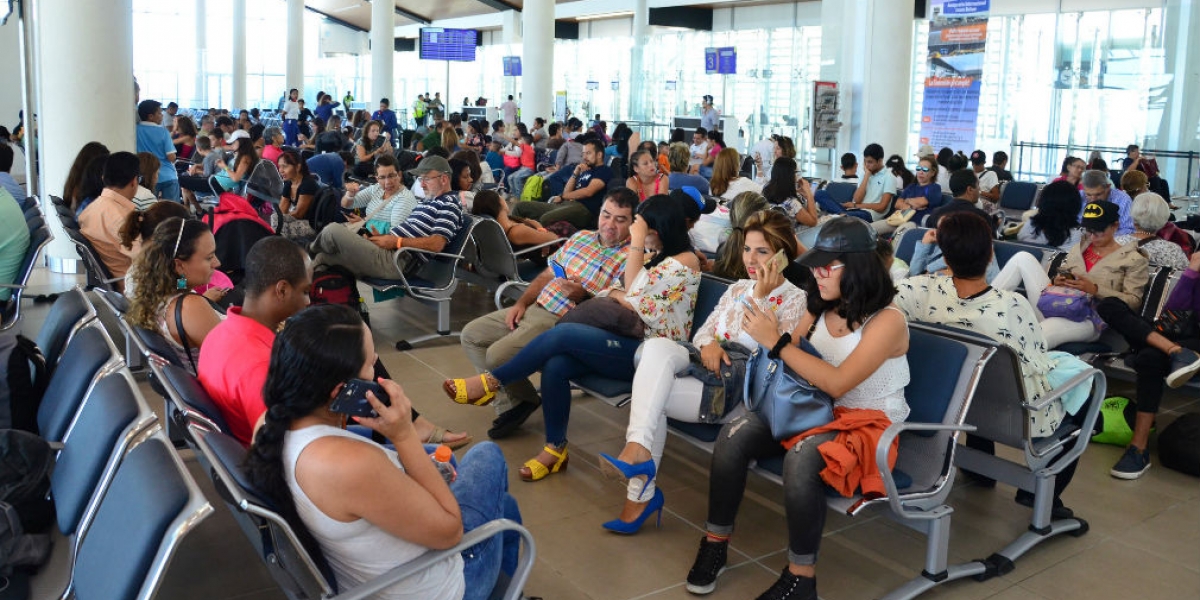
(978, 157)
(839, 236)
(926, 150)
(1099, 214)
(431, 163)
(237, 135)
(693, 202)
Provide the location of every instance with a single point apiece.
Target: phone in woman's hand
(352, 399)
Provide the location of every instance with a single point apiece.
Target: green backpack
(533, 189)
(1115, 425)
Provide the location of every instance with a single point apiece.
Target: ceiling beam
(499, 5)
(330, 17)
(412, 16)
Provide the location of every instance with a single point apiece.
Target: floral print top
(665, 298)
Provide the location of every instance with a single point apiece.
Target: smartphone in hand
(780, 260)
(558, 270)
(352, 399)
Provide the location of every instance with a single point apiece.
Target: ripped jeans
(748, 438)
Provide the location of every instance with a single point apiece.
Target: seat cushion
(705, 432)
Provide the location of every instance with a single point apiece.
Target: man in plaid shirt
(593, 261)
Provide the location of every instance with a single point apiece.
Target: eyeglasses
(922, 169)
(826, 271)
(430, 177)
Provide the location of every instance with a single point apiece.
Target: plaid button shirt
(587, 261)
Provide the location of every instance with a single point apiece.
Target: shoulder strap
(183, 337)
(376, 212)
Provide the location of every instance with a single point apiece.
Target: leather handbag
(787, 402)
(1177, 325)
(607, 314)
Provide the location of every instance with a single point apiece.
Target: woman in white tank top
(363, 507)
(862, 338)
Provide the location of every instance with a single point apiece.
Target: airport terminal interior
(1068, 130)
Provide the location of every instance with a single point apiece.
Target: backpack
(23, 383)
(1179, 444)
(26, 511)
(334, 284)
(326, 208)
(533, 189)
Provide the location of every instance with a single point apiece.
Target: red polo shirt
(233, 370)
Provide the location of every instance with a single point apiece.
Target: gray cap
(431, 163)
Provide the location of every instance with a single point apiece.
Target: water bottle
(1194, 202)
(441, 460)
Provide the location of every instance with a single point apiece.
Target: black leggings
(748, 438)
(1152, 364)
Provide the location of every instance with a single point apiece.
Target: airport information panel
(439, 43)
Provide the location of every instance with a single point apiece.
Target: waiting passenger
(245, 158)
(273, 136)
(966, 190)
(580, 202)
(373, 144)
(677, 158)
(791, 194)
(366, 508)
(14, 241)
(85, 180)
(656, 300)
(864, 369)
(1055, 223)
(145, 196)
(966, 300)
(664, 384)
(180, 256)
(1072, 171)
(918, 200)
(726, 181)
(646, 180)
(521, 233)
(1098, 187)
(433, 224)
(1134, 183)
(1150, 213)
(102, 220)
(592, 261)
(729, 263)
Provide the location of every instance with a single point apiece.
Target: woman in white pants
(661, 385)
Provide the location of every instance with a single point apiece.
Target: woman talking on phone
(363, 507)
(664, 384)
(372, 144)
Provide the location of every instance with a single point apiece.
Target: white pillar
(239, 54)
(637, 68)
(85, 51)
(537, 59)
(10, 71)
(383, 48)
(1177, 130)
(510, 28)
(295, 45)
(201, 29)
(867, 47)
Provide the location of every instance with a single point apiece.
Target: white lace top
(725, 322)
(883, 390)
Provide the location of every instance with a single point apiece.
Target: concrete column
(239, 55)
(867, 47)
(637, 68)
(201, 28)
(383, 48)
(510, 37)
(10, 71)
(537, 59)
(85, 50)
(1181, 117)
(295, 45)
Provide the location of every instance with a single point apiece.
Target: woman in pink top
(1072, 171)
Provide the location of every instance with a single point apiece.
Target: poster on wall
(957, 35)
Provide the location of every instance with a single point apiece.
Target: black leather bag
(1177, 325)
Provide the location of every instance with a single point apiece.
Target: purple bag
(1062, 302)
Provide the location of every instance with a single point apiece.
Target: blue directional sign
(710, 61)
(726, 61)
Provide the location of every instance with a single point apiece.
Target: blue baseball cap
(693, 202)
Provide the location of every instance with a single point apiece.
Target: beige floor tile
(1114, 570)
(1171, 535)
(740, 582)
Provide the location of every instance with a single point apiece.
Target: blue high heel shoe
(655, 505)
(647, 469)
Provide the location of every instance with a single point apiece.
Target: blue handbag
(788, 403)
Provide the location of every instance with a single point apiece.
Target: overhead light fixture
(614, 15)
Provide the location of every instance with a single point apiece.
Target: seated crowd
(637, 224)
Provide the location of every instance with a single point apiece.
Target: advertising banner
(957, 35)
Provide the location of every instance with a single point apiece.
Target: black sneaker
(791, 587)
(710, 563)
(1058, 510)
(1133, 464)
(1184, 364)
(511, 420)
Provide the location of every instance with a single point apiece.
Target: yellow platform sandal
(534, 470)
(456, 389)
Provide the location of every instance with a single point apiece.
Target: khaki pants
(570, 211)
(489, 343)
(337, 245)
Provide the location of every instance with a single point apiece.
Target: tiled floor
(1144, 540)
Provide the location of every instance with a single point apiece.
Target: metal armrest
(1093, 404)
(12, 286)
(540, 246)
(1062, 390)
(422, 562)
(881, 457)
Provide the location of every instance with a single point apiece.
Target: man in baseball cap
(989, 182)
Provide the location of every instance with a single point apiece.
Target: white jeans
(657, 394)
(1024, 268)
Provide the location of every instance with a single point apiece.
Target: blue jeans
(482, 493)
(168, 190)
(563, 353)
(516, 180)
(828, 205)
(706, 172)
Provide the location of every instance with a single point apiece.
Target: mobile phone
(1067, 274)
(365, 232)
(352, 399)
(779, 260)
(558, 270)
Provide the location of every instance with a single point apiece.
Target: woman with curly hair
(180, 256)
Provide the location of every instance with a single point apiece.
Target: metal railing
(1036, 159)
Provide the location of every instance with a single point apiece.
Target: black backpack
(327, 208)
(334, 284)
(1179, 445)
(23, 382)
(26, 510)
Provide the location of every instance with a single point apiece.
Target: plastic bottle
(441, 460)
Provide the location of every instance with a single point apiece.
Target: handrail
(1192, 156)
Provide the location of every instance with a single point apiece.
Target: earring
(181, 283)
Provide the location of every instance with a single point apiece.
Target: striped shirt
(586, 260)
(436, 216)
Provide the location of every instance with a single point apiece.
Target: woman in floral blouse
(662, 274)
(663, 387)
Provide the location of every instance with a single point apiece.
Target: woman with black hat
(864, 369)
